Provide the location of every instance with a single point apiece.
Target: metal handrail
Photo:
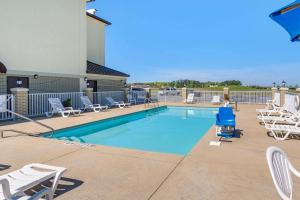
(26, 118)
(148, 101)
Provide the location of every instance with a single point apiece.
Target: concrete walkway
(232, 171)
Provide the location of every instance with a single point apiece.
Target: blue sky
(164, 40)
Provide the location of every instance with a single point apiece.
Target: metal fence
(167, 96)
(205, 96)
(100, 97)
(39, 105)
(250, 97)
(7, 102)
(137, 97)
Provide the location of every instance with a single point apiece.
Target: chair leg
(65, 115)
(97, 109)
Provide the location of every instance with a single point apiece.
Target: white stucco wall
(95, 41)
(47, 36)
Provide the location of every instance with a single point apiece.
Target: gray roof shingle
(93, 68)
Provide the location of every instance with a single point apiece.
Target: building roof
(3, 69)
(93, 68)
(98, 18)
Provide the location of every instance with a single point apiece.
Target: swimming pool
(173, 130)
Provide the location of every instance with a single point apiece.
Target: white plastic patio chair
(120, 104)
(15, 183)
(285, 129)
(281, 168)
(89, 106)
(190, 98)
(216, 100)
(57, 107)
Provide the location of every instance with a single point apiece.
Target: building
(54, 46)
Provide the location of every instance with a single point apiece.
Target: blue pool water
(172, 130)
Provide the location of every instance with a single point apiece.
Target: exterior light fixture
(283, 83)
(19, 82)
(85, 79)
(274, 84)
(35, 76)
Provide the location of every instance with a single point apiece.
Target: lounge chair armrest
(5, 188)
(293, 170)
(46, 192)
(48, 167)
(96, 105)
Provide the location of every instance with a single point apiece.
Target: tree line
(193, 84)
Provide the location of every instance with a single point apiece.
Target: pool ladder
(26, 118)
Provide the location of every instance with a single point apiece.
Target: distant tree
(232, 82)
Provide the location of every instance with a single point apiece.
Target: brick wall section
(21, 100)
(3, 84)
(109, 85)
(47, 84)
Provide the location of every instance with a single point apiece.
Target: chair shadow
(65, 185)
(237, 134)
(4, 167)
(290, 137)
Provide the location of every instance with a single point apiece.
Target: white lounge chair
(273, 111)
(216, 100)
(281, 168)
(284, 117)
(271, 104)
(190, 98)
(112, 102)
(285, 129)
(15, 183)
(89, 106)
(57, 107)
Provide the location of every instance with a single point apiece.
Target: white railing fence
(7, 102)
(205, 96)
(39, 105)
(250, 97)
(100, 97)
(168, 96)
(137, 96)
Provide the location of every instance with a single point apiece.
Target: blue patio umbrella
(289, 18)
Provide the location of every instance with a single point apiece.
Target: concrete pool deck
(232, 171)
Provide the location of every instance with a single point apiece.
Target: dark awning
(3, 69)
(93, 68)
(98, 18)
